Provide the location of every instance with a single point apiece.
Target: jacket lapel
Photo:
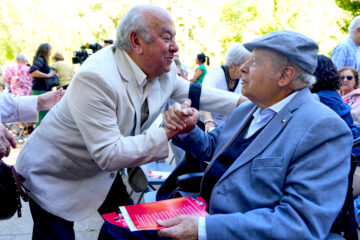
(233, 135)
(126, 71)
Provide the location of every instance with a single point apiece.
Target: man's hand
(176, 114)
(180, 227)
(6, 140)
(180, 119)
(49, 99)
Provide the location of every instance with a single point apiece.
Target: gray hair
(354, 24)
(134, 20)
(236, 54)
(21, 57)
(301, 76)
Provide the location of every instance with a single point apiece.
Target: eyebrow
(168, 30)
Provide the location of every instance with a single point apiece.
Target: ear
(286, 77)
(136, 43)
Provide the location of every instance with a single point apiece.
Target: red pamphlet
(144, 216)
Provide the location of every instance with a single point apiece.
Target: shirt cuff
(28, 108)
(202, 229)
(181, 136)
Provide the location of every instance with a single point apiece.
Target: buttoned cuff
(28, 108)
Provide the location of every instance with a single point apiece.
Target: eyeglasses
(349, 78)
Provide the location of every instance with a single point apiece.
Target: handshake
(180, 119)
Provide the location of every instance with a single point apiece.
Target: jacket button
(112, 175)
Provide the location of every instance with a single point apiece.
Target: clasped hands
(180, 118)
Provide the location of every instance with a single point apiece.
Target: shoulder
(39, 59)
(315, 113)
(101, 62)
(214, 76)
(243, 109)
(61, 64)
(55, 64)
(345, 45)
(202, 67)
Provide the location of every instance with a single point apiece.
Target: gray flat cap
(296, 47)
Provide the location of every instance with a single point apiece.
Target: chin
(167, 68)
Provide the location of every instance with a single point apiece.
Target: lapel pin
(283, 121)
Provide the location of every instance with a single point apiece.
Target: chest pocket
(268, 174)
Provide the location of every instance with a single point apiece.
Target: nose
(173, 46)
(245, 67)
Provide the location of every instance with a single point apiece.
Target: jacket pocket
(270, 162)
(267, 175)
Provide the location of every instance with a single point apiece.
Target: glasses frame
(349, 78)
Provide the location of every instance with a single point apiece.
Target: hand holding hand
(49, 99)
(180, 119)
(6, 140)
(176, 114)
(180, 227)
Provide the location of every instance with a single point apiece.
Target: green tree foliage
(352, 8)
(208, 26)
(244, 20)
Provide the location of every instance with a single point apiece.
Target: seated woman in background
(225, 77)
(63, 69)
(350, 91)
(201, 71)
(326, 86)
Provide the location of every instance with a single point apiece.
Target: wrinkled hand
(6, 140)
(180, 227)
(176, 114)
(180, 119)
(49, 99)
(241, 100)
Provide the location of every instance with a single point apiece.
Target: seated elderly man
(279, 165)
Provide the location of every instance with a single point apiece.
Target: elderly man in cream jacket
(71, 161)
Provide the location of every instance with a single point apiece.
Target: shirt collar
(140, 76)
(260, 114)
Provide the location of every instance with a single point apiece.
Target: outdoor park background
(208, 26)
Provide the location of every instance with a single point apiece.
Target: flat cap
(296, 47)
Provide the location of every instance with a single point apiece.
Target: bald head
(141, 19)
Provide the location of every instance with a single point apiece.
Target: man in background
(347, 53)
